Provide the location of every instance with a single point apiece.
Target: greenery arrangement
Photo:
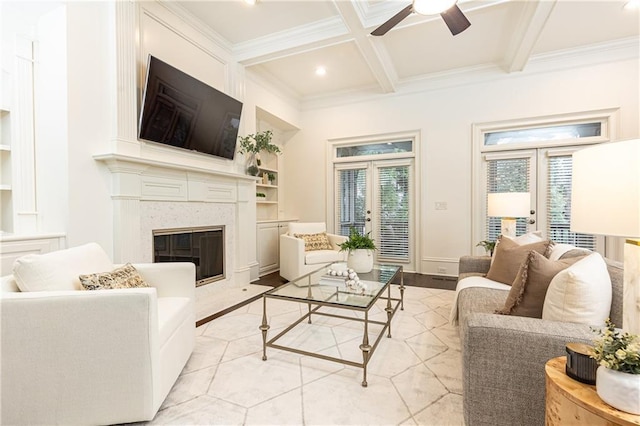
(616, 350)
(261, 195)
(357, 241)
(488, 246)
(255, 143)
(271, 177)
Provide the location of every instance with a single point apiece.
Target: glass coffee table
(318, 291)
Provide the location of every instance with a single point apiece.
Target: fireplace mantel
(137, 182)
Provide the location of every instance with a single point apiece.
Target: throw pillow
(509, 256)
(59, 270)
(528, 238)
(124, 277)
(581, 293)
(318, 241)
(529, 288)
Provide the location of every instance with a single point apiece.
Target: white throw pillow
(60, 270)
(559, 249)
(580, 294)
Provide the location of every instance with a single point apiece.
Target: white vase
(618, 389)
(360, 260)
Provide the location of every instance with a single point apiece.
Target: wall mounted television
(181, 111)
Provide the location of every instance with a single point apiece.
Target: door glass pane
(351, 201)
(374, 149)
(507, 175)
(559, 205)
(392, 221)
(550, 133)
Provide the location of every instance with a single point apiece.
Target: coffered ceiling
(284, 41)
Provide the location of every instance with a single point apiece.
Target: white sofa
(295, 261)
(92, 357)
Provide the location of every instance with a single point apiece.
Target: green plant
(488, 246)
(616, 350)
(357, 241)
(261, 195)
(253, 170)
(258, 142)
(271, 177)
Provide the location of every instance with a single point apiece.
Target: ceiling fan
(450, 12)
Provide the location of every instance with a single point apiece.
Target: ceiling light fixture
(321, 71)
(632, 5)
(432, 7)
(250, 2)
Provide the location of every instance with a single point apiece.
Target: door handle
(368, 211)
(532, 221)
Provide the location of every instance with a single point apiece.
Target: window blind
(506, 175)
(559, 205)
(350, 202)
(392, 216)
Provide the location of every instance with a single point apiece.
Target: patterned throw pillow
(124, 277)
(318, 241)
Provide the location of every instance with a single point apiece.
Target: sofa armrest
(80, 346)
(291, 256)
(170, 279)
(503, 366)
(474, 264)
(335, 240)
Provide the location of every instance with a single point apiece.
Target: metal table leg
(264, 327)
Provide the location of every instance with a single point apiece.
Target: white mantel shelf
(115, 160)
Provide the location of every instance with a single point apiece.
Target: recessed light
(632, 4)
(320, 71)
(250, 2)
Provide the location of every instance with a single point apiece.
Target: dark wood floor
(410, 279)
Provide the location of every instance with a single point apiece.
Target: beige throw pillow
(529, 288)
(124, 277)
(509, 256)
(318, 241)
(581, 293)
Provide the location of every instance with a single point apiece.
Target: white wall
(444, 119)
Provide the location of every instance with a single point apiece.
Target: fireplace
(203, 246)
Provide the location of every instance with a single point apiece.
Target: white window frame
(607, 117)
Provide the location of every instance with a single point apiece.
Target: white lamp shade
(508, 204)
(605, 190)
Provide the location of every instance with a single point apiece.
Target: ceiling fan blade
(455, 20)
(393, 21)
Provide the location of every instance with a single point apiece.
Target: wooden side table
(569, 402)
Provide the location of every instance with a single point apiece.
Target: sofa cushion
(581, 293)
(124, 277)
(529, 288)
(312, 242)
(172, 311)
(306, 227)
(508, 257)
(59, 270)
(322, 256)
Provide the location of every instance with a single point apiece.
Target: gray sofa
(503, 356)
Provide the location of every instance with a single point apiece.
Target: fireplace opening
(204, 246)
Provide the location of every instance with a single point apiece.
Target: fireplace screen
(202, 246)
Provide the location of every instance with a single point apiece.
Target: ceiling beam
(372, 50)
(531, 24)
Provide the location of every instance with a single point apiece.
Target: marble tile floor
(414, 377)
(217, 301)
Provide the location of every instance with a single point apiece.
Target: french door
(377, 197)
(546, 174)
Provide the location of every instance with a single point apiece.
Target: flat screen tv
(181, 111)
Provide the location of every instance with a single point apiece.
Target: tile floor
(414, 377)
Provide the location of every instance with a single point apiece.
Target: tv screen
(181, 111)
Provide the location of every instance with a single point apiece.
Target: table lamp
(508, 206)
(605, 200)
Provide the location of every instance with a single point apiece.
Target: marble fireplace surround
(148, 195)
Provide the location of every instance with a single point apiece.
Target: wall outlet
(442, 270)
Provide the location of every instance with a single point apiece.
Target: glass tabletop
(319, 286)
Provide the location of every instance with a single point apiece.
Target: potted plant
(360, 248)
(271, 177)
(618, 374)
(253, 144)
(488, 246)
